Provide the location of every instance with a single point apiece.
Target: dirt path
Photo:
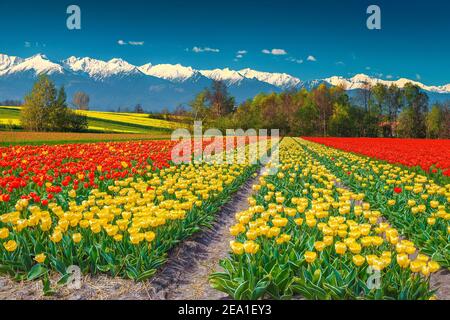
(186, 275)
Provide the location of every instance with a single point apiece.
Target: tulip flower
(10, 246)
(251, 247)
(310, 256)
(40, 258)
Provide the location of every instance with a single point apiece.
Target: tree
(324, 104)
(438, 121)
(340, 124)
(220, 102)
(81, 100)
(199, 110)
(35, 115)
(405, 128)
(417, 102)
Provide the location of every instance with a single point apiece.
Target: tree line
(373, 111)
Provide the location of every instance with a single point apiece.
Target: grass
(104, 122)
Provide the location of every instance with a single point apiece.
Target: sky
(307, 39)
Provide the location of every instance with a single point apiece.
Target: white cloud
(389, 76)
(311, 58)
(368, 68)
(136, 43)
(340, 63)
(205, 49)
(27, 44)
(275, 52)
(292, 59)
(131, 43)
(240, 54)
(418, 77)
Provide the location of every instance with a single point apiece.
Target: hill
(105, 122)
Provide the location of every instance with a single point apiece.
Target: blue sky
(413, 42)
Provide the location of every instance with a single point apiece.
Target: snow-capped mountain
(361, 81)
(98, 69)
(230, 77)
(171, 72)
(281, 80)
(36, 64)
(7, 62)
(117, 83)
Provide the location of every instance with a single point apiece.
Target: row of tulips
(123, 228)
(305, 234)
(413, 203)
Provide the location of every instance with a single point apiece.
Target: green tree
(405, 128)
(340, 124)
(438, 121)
(199, 109)
(35, 114)
(417, 102)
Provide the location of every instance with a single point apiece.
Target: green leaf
(36, 272)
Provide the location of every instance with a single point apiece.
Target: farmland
(105, 122)
(320, 227)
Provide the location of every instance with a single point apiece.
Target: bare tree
(81, 100)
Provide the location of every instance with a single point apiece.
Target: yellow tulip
(56, 236)
(40, 258)
(340, 248)
(416, 265)
(76, 237)
(434, 266)
(251, 247)
(319, 246)
(358, 260)
(354, 248)
(149, 236)
(310, 256)
(10, 246)
(4, 233)
(237, 247)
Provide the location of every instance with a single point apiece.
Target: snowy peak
(99, 69)
(38, 64)
(281, 80)
(7, 62)
(361, 81)
(176, 73)
(227, 75)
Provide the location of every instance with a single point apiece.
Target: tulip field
(337, 219)
(334, 225)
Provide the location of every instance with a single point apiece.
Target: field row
(330, 225)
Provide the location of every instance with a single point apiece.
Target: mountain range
(117, 83)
